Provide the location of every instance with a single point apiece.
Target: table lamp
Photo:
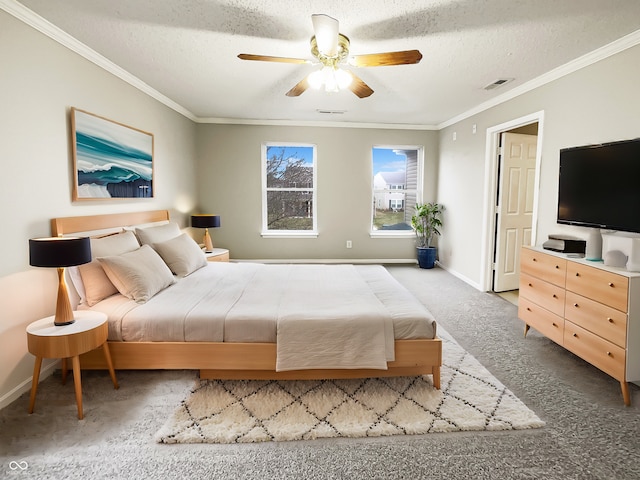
(60, 252)
(206, 221)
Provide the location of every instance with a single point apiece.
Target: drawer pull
(577, 274)
(575, 335)
(534, 259)
(528, 309)
(608, 354)
(610, 320)
(554, 324)
(555, 296)
(576, 305)
(530, 285)
(557, 266)
(610, 284)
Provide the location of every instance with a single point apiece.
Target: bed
(247, 320)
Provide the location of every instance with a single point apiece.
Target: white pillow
(94, 285)
(138, 275)
(159, 234)
(181, 254)
(114, 244)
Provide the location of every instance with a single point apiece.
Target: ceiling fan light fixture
(316, 79)
(343, 78)
(331, 78)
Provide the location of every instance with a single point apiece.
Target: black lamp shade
(59, 251)
(205, 221)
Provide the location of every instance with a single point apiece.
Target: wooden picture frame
(110, 160)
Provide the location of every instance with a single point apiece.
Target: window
(397, 180)
(289, 189)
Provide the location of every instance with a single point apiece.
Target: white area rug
(237, 411)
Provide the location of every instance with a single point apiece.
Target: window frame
(418, 190)
(266, 232)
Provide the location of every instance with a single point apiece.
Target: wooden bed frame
(228, 360)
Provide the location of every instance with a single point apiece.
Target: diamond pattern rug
(238, 411)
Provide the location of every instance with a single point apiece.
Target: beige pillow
(96, 286)
(181, 254)
(138, 275)
(159, 234)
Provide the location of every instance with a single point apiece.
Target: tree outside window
(397, 176)
(289, 187)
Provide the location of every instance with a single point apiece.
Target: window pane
(395, 188)
(287, 210)
(289, 167)
(289, 187)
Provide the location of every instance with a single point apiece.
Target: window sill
(290, 234)
(391, 234)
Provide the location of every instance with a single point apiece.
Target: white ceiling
(187, 51)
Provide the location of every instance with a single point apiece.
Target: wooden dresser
(588, 308)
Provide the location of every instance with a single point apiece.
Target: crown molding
(617, 46)
(308, 123)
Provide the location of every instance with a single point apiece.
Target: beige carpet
(255, 411)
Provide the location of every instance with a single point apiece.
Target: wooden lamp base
(208, 244)
(64, 313)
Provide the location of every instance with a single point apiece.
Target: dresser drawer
(600, 353)
(604, 321)
(545, 322)
(543, 293)
(599, 285)
(549, 267)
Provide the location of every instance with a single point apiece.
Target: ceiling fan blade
(326, 31)
(299, 88)
(266, 58)
(406, 57)
(358, 87)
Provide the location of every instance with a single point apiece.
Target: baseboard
(355, 261)
(24, 386)
(461, 277)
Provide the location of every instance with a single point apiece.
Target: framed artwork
(110, 160)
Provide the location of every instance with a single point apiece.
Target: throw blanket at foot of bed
(330, 318)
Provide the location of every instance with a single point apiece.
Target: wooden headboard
(67, 225)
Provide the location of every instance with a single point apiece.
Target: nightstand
(218, 255)
(45, 340)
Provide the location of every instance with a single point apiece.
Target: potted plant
(426, 223)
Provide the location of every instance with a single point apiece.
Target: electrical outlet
(349, 244)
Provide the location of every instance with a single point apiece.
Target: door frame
(491, 190)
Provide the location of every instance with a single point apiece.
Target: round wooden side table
(217, 255)
(87, 333)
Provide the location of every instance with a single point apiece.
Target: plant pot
(426, 257)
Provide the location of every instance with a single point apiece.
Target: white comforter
(320, 316)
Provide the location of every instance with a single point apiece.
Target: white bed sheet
(245, 302)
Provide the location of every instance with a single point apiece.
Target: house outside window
(289, 189)
(397, 181)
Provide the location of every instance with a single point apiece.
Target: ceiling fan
(331, 50)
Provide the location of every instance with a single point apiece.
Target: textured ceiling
(187, 50)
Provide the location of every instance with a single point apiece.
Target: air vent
(498, 83)
(331, 112)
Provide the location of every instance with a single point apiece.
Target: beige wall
(229, 183)
(39, 81)
(598, 103)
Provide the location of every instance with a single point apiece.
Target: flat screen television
(599, 186)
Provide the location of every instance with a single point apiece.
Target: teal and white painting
(111, 160)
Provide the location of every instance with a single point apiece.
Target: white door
(515, 207)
